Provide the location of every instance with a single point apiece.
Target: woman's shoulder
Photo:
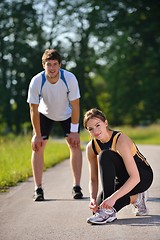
(89, 144)
(90, 147)
(124, 141)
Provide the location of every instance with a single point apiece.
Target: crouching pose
(125, 173)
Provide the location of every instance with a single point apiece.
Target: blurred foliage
(113, 47)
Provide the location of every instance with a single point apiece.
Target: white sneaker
(140, 204)
(102, 216)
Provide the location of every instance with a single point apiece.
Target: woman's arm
(93, 176)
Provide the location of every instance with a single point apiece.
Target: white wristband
(74, 127)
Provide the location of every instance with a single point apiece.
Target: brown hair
(93, 113)
(51, 54)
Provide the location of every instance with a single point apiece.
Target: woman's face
(97, 128)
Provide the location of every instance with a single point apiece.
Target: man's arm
(73, 137)
(34, 115)
(35, 120)
(75, 111)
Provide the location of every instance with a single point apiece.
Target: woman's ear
(106, 122)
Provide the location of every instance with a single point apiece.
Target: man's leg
(76, 164)
(37, 161)
(76, 168)
(75, 160)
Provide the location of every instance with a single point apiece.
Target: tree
(112, 47)
(132, 59)
(21, 44)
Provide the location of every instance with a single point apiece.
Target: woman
(125, 172)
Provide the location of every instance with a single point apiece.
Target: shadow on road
(150, 220)
(64, 200)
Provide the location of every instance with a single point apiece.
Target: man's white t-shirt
(54, 102)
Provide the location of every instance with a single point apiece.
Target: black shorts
(46, 126)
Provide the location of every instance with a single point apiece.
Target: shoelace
(102, 213)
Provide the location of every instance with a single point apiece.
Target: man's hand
(73, 139)
(37, 142)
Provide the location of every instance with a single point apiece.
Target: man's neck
(53, 79)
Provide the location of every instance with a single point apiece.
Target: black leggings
(114, 174)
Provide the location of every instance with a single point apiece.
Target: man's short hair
(51, 54)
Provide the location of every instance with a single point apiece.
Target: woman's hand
(93, 206)
(108, 203)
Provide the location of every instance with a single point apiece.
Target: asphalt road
(60, 217)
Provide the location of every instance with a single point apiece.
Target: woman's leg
(112, 166)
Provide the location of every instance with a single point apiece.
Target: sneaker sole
(111, 219)
(38, 199)
(146, 196)
(142, 214)
(78, 196)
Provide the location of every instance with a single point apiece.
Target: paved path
(60, 217)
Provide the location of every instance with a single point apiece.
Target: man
(53, 96)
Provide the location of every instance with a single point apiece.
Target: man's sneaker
(140, 204)
(38, 194)
(103, 216)
(76, 192)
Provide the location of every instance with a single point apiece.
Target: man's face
(52, 68)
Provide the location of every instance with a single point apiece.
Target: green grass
(15, 164)
(143, 135)
(140, 135)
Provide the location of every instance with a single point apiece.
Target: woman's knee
(105, 156)
(109, 157)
